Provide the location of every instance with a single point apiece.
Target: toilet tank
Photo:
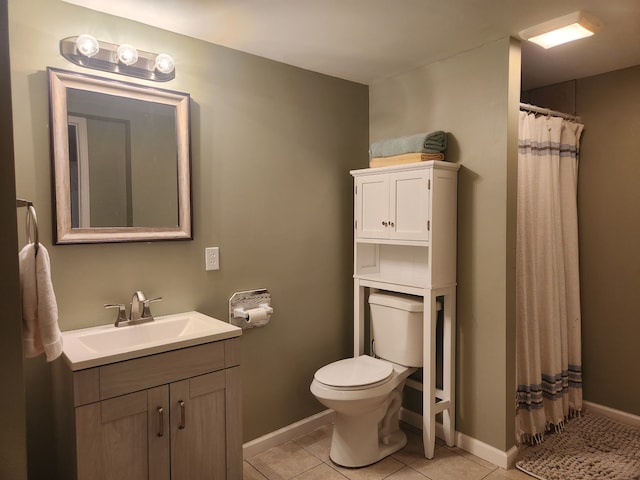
(396, 327)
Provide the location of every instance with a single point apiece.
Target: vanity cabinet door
(123, 437)
(198, 433)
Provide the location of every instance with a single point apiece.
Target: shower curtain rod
(546, 111)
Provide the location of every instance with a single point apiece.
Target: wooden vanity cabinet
(174, 415)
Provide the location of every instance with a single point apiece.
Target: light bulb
(87, 45)
(127, 54)
(164, 63)
(567, 34)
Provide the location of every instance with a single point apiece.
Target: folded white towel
(40, 330)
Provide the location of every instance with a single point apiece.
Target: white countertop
(96, 346)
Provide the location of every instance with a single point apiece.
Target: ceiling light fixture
(125, 59)
(567, 28)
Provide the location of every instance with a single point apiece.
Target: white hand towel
(40, 330)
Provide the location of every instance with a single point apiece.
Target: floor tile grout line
(457, 450)
(331, 466)
(316, 466)
(295, 440)
(259, 472)
(315, 446)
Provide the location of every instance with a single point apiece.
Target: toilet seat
(355, 373)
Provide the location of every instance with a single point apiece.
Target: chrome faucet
(139, 310)
(134, 310)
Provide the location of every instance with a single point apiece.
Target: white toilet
(366, 392)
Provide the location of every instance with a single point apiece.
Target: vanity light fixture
(125, 59)
(127, 54)
(87, 45)
(557, 31)
(164, 63)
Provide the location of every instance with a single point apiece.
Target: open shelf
(396, 264)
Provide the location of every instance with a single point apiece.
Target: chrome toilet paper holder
(250, 308)
(241, 312)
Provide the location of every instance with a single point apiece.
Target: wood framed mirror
(121, 161)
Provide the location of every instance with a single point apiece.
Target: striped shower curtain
(548, 348)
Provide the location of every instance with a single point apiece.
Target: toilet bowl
(366, 392)
(366, 395)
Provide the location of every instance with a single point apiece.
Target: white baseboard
(286, 434)
(480, 449)
(487, 452)
(612, 413)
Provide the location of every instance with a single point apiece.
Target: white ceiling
(368, 40)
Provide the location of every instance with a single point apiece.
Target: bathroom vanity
(405, 224)
(170, 412)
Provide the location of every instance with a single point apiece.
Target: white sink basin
(91, 347)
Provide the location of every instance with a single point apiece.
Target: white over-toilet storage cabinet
(405, 241)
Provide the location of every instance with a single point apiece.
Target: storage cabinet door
(409, 196)
(198, 439)
(113, 439)
(159, 433)
(372, 206)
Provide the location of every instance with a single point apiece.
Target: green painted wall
(474, 96)
(608, 199)
(13, 433)
(272, 149)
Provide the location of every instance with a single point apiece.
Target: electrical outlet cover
(212, 258)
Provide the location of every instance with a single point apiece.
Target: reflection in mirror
(121, 160)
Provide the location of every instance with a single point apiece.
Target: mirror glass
(120, 160)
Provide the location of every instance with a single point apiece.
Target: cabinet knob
(391, 224)
(384, 224)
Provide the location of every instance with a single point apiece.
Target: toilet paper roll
(257, 315)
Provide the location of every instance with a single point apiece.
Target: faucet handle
(146, 311)
(122, 313)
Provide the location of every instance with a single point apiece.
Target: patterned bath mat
(592, 447)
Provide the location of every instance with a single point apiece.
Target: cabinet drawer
(129, 376)
(146, 372)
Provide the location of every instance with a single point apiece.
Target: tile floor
(307, 458)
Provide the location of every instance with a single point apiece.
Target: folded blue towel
(434, 142)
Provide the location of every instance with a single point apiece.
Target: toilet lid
(354, 372)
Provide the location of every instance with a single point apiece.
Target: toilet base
(366, 438)
(354, 453)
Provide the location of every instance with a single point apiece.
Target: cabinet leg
(358, 319)
(449, 362)
(448, 425)
(429, 435)
(429, 374)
